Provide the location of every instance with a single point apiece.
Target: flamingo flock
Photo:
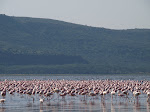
(46, 89)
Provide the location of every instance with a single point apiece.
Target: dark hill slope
(81, 49)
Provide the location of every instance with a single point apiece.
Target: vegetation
(34, 45)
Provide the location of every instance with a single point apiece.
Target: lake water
(26, 103)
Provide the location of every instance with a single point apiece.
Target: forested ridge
(36, 45)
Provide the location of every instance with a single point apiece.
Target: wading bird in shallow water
(3, 93)
(41, 100)
(148, 96)
(2, 101)
(74, 88)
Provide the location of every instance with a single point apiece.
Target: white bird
(113, 93)
(104, 92)
(41, 100)
(136, 93)
(2, 101)
(148, 93)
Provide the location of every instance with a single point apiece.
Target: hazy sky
(114, 14)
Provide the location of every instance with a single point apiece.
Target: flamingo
(113, 92)
(41, 100)
(3, 93)
(2, 101)
(148, 98)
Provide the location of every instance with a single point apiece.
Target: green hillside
(34, 45)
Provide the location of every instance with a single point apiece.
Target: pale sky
(113, 14)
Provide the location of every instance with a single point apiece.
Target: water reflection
(148, 107)
(112, 107)
(2, 109)
(102, 103)
(103, 106)
(137, 106)
(89, 105)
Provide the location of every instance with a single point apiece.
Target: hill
(35, 45)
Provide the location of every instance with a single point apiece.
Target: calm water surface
(25, 103)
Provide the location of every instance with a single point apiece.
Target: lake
(30, 103)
